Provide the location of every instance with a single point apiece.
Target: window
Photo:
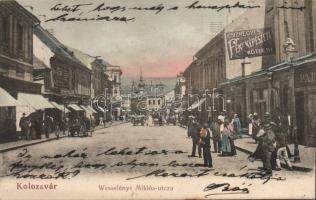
(5, 29)
(149, 102)
(158, 102)
(19, 73)
(310, 28)
(20, 37)
(261, 95)
(154, 102)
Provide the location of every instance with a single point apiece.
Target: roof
(218, 37)
(54, 44)
(103, 62)
(28, 16)
(84, 58)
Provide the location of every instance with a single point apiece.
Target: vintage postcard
(157, 99)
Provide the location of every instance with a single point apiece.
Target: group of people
(221, 130)
(271, 135)
(34, 126)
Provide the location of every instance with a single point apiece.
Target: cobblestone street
(140, 156)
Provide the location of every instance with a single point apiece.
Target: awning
(99, 109)
(196, 104)
(7, 100)
(88, 109)
(92, 110)
(36, 101)
(75, 107)
(60, 107)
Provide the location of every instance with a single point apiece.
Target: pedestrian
(205, 143)
(190, 126)
(25, 126)
(216, 135)
(250, 122)
(47, 126)
(227, 133)
(268, 146)
(256, 125)
(281, 144)
(195, 135)
(237, 126)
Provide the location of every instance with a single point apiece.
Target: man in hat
(256, 123)
(205, 138)
(195, 135)
(268, 146)
(216, 134)
(25, 126)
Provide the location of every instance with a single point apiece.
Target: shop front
(305, 100)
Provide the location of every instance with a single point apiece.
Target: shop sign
(250, 43)
(305, 77)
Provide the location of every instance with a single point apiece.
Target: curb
(298, 168)
(30, 144)
(47, 140)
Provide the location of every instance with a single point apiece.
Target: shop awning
(88, 109)
(60, 107)
(75, 107)
(36, 101)
(92, 110)
(196, 104)
(7, 100)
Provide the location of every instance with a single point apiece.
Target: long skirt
(226, 145)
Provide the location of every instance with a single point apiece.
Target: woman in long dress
(228, 146)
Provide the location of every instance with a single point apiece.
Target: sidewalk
(307, 154)
(9, 146)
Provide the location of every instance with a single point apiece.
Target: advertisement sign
(250, 43)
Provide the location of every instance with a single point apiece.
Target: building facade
(16, 64)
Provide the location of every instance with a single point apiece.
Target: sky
(161, 45)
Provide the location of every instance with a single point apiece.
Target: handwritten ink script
(121, 13)
(224, 188)
(71, 164)
(103, 12)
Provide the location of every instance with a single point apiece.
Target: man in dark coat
(205, 142)
(268, 147)
(25, 126)
(195, 135)
(216, 135)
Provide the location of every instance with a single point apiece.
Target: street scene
(153, 157)
(157, 100)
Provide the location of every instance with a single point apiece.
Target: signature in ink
(224, 188)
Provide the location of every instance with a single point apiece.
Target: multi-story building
(268, 65)
(115, 73)
(203, 76)
(274, 75)
(16, 68)
(69, 80)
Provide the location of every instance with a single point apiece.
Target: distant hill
(126, 86)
